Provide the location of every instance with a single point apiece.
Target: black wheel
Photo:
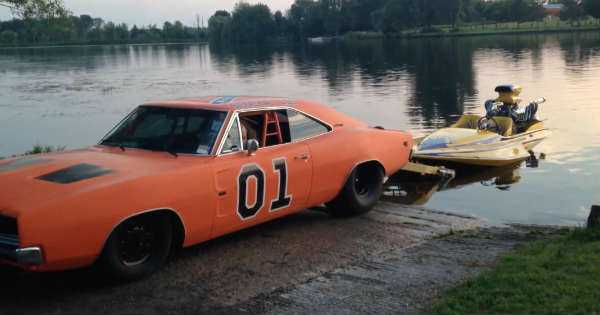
(360, 193)
(138, 247)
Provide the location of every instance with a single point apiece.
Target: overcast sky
(143, 12)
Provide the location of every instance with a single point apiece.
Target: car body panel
(72, 221)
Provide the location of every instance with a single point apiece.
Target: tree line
(85, 29)
(248, 23)
(41, 22)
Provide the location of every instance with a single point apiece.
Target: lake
(72, 95)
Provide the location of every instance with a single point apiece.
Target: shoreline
(489, 30)
(378, 36)
(66, 45)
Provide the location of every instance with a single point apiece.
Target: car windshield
(174, 130)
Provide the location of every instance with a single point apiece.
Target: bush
(9, 37)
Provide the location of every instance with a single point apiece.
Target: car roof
(228, 103)
(250, 103)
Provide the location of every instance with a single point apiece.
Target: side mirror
(252, 146)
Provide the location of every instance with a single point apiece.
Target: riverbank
(482, 30)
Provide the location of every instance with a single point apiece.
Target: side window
(233, 143)
(303, 127)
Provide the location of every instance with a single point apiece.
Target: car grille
(9, 232)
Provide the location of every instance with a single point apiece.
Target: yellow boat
(483, 141)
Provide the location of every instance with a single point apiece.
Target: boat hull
(481, 148)
(482, 157)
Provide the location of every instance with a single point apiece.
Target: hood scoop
(75, 174)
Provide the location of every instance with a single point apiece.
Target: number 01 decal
(283, 200)
(254, 172)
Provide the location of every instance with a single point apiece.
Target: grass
(558, 276)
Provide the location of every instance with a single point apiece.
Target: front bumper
(12, 253)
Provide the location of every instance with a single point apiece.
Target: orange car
(179, 173)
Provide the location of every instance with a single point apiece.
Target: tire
(137, 248)
(360, 193)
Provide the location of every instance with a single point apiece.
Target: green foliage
(558, 276)
(252, 23)
(40, 149)
(219, 26)
(85, 29)
(316, 18)
(399, 15)
(572, 10)
(592, 7)
(28, 9)
(8, 37)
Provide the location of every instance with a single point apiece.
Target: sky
(144, 12)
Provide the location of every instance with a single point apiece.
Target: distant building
(553, 8)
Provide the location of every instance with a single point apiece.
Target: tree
(450, 10)
(572, 11)
(121, 33)
(399, 15)
(592, 7)
(8, 37)
(252, 23)
(36, 8)
(526, 10)
(219, 25)
(331, 10)
(306, 19)
(358, 14)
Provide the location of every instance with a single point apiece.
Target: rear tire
(360, 193)
(138, 247)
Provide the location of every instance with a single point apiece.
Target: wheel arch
(179, 230)
(372, 162)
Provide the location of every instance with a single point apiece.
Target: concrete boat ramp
(396, 259)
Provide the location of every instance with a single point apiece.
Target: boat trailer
(446, 175)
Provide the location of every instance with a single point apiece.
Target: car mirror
(252, 146)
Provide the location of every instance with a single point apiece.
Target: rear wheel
(138, 247)
(360, 193)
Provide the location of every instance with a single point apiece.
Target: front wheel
(137, 248)
(360, 193)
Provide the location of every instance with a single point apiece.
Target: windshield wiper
(114, 144)
(173, 153)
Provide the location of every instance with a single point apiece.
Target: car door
(254, 188)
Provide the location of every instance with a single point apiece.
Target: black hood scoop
(75, 174)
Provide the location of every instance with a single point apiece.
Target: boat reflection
(409, 189)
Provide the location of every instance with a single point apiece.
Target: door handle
(302, 157)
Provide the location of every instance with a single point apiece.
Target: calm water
(72, 96)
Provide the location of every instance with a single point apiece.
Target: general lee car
(179, 173)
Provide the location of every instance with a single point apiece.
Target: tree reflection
(437, 74)
(441, 71)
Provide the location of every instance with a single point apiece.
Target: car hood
(30, 182)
